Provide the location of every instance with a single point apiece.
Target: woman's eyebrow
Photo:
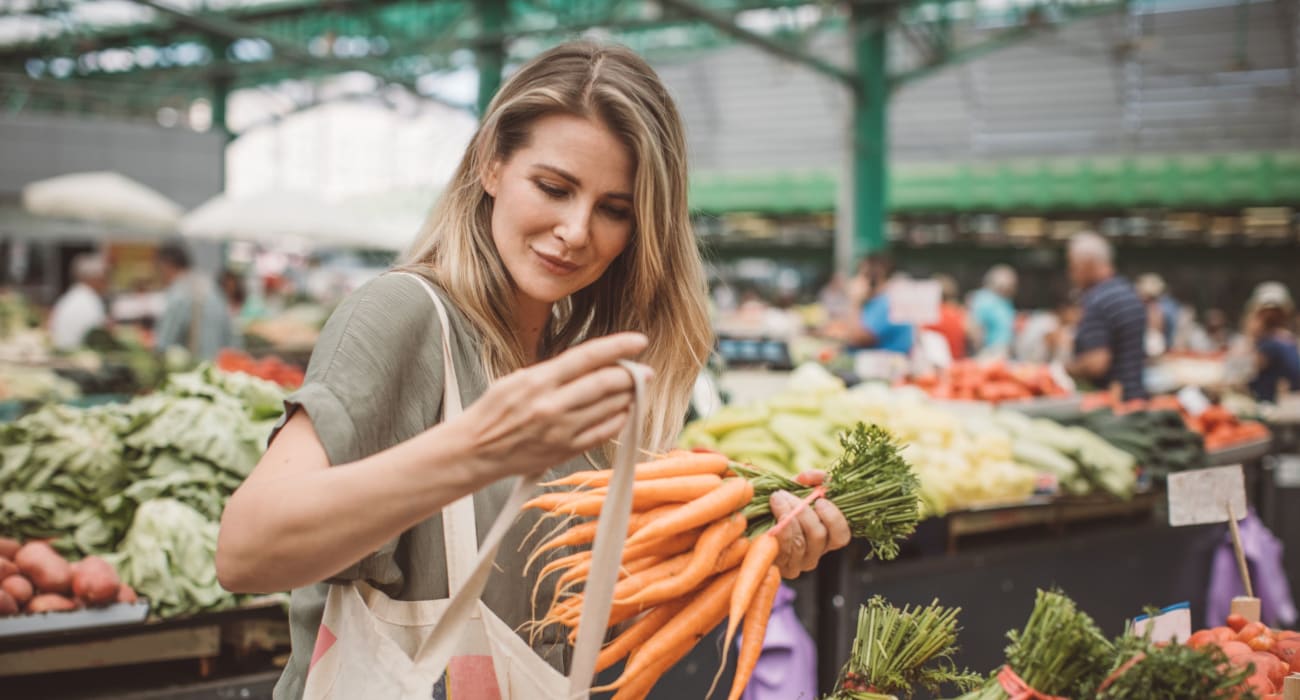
(573, 179)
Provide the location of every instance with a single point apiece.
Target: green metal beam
(727, 26)
(491, 53)
(869, 32)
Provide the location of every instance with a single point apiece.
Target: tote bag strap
(459, 529)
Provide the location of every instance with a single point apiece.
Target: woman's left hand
(818, 529)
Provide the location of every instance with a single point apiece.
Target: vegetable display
(1060, 652)
(994, 381)
(898, 650)
(1160, 441)
(1264, 656)
(36, 579)
(81, 477)
(270, 367)
(1220, 427)
(702, 546)
(965, 456)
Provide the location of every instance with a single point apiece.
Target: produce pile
(36, 579)
(270, 367)
(19, 383)
(142, 483)
(898, 650)
(1062, 654)
(1160, 441)
(994, 381)
(701, 549)
(1220, 427)
(965, 455)
(1268, 655)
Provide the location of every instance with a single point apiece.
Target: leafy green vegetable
(167, 557)
(80, 476)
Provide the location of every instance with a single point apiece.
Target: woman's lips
(555, 265)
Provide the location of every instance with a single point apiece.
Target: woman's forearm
(287, 531)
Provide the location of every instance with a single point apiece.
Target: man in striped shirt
(1109, 344)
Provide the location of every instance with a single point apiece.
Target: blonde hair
(656, 286)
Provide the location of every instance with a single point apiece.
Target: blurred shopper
(1269, 316)
(1109, 344)
(952, 318)
(1162, 313)
(196, 316)
(874, 330)
(81, 309)
(993, 313)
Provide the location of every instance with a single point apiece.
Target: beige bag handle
(607, 550)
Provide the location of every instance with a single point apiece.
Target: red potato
(126, 594)
(95, 582)
(9, 547)
(18, 587)
(1235, 651)
(7, 568)
(50, 572)
(8, 606)
(50, 602)
(1269, 666)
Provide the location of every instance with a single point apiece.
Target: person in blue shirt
(1269, 315)
(875, 331)
(992, 311)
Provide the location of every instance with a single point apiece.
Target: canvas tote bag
(371, 646)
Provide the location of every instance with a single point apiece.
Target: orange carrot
(645, 494)
(676, 638)
(751, 646)
(728, 498)
(552, 500)
(704, 557)
(762, 553)
(637, 633)
(682, 464)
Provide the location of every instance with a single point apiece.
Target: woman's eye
(618, 213)
(551, 191)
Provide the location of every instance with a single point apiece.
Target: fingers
(812, 477)
(838, 532)
(814, 534)
(790, 538)
(601, 433)
(587, 417)
(594, 354)
(593, 387)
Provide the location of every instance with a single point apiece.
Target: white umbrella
(390, 220)
(269, 217)
(105, 198)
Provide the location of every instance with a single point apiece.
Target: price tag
(914, 302)
(1172, 623)
(1202, 496)
(1193, 400)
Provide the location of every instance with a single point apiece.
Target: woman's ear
(491, 177)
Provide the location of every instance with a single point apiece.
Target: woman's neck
(531, 317)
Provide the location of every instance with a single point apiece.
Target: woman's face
(563, 207)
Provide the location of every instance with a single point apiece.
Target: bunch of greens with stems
(1060, 652)
(898, 650)
(872, 485)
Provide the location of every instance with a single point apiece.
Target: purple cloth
(1264, 558)
(787, 669)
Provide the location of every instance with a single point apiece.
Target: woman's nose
(575, 228)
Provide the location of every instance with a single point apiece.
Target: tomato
(1263, 642)
(1236, 622)
(1250, 631)
(1201, 638)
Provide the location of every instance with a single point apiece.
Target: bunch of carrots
(701, 548)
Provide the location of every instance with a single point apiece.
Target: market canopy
(108, 199)
(301, 218)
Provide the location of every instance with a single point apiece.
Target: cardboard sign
(1202, 496)
(914, 302)
(1173, 622)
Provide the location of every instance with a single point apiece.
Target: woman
(1268, 324)
(565, 223)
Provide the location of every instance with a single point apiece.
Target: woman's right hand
(544, 415)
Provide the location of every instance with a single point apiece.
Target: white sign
(1172, 623)
(914, 302)
(1193, 400)
(1202, 496)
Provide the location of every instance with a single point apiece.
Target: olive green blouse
(375, 380)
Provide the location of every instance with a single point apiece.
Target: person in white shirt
(81, 308)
